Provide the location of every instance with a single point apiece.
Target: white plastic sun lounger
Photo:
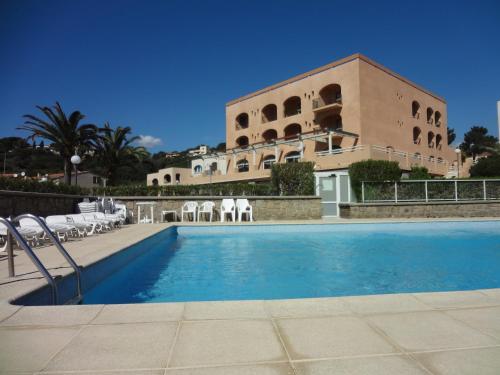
(32, 235)
(61, 230)
(95, 226)
(81, 228)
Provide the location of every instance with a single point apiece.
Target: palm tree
(65, 133)
(114, 149)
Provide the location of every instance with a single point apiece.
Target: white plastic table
(145, 219)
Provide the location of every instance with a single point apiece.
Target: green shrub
(486, 167)
(219, 189)
(34, 186)
(372, 170)
(419, 173)
(293, 178)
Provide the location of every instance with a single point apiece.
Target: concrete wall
(420, 210)
(41, 204)
(264, 208)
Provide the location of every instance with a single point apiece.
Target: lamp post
(75, 160)
(458, 152)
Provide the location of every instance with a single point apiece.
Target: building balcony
(320, 105)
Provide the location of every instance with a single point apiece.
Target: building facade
(350, 110)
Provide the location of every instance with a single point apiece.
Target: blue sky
(167, 68)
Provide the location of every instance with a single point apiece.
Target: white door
(333, 188)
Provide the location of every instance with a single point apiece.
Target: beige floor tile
(120, 372)
(381, 365)
(31, 349)
(312, 338)
(429, 330)
(486, 319)
(263, 369)
(385, 303)
(225, 310)
(462, 362)
(139, 313)
(310, 307)
(492, 293)
(226, 342)
(122, 346)
(445, 300)
(53, 315)
(7, 310)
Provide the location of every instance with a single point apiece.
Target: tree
(114, 151)
(419, 173)
(65, 133)
(486, 167)
(477, 140)
(451, 135)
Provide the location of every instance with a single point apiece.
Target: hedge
(293, 178)
(219, 189)
(373, 170)
(29, 185)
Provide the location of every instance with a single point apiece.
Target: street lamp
(458, 152)
(75, 160)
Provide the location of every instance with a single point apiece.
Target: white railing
(430, 190)
(340, 150)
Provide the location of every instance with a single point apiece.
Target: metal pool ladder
(12, 231)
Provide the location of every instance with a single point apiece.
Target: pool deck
(418, 333)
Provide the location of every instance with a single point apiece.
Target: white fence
(430, 190)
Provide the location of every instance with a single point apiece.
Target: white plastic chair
(189, 208)
(206, 208)
(244, 208)
(227, 207)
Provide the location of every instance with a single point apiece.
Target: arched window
(440, 160)
(167, 179)
(269, 113)
(415, 109)
(417, 156)
(430, 139)
(269, 135)
(330, 94)
(292, 157)
(429, 115)
(155, 182)
(292, 106)
(331, 122)
(177, 177)
(416, 135)
(242, 165)
(242, 121)
(439, 138)
(437, 118)
(292, 131)
(242, 141)
(269, 160)
(198, 169)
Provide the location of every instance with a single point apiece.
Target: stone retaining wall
(14, 203)
(264, 208)
(420, 210)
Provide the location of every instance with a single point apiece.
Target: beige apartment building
(350, 110)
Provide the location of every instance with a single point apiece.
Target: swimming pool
(300, 261)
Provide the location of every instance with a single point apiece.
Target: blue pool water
(300, 261)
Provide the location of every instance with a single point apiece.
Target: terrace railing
(430, 190)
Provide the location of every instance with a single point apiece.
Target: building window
(415, 109)
(430, 112)
(270, 135)
(96, 180)
(430, 139)
(416, 135)
(293, 131)
(242, 121)
(437, 118)
(332, 122)
(177, 177)
(167, 179)
(155, 182)
(292, 157)
(439, 139)
(242, 141)
(269, 160)
(198, 169)
(292, 106)
(243, 165)
(269, 113)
